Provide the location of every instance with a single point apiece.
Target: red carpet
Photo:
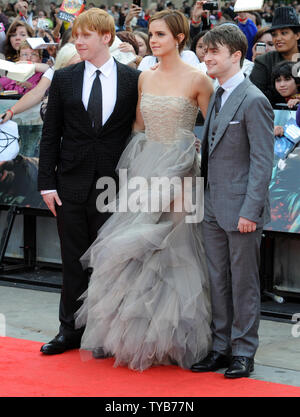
(25, 372)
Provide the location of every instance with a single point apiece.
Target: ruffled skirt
(148, 299)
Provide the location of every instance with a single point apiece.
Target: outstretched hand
(198, 11)
(5, 117)
(134, 11)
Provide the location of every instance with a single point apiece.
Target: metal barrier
(25, 221)
(28, 234)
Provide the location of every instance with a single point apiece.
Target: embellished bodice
(165, 117)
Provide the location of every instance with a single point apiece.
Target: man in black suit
(89, 116)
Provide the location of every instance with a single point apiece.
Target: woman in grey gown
(148, 297)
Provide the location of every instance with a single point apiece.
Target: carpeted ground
(25, 372)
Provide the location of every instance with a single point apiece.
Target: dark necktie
(95, 103)
(218, 99)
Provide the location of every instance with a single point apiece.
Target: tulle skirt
(148, 299)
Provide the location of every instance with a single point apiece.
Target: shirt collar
(106, 68)
(234, 81)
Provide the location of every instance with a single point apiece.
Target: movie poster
(18, 177)
(285, 183)
(70, 9)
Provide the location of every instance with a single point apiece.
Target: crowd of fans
(268, 44)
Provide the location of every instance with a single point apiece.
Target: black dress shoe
(240, 367)
(99, 353)
(59, 345)
(212, 362)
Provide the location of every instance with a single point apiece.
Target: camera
(211, 5)
(137, 2)
(260, 47)
(42, 24)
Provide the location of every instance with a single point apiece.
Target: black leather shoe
(212, 362)
(60, 344)
(99, 353)
(240, 367)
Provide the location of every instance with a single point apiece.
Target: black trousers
(77, 228)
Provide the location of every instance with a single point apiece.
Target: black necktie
(95, 103)
(218, 99)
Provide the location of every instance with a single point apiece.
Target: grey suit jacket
(238, 167)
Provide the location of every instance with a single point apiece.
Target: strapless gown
(148, 299)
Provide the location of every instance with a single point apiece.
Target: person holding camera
(132, 16)
(263, 43)
(22, 8)
(200, 19)
(285, 31)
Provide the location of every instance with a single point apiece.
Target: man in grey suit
(237, 159)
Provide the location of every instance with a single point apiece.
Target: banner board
(18, 178)
(285, 182)
(70, 9)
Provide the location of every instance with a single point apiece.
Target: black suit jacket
(72, 153)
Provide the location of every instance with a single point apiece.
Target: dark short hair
(196, 38)
(257, 17)
(285, 69)
(227, 35)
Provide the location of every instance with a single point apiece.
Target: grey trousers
(233, 263)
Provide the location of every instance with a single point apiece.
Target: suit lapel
(78, 82)
(208, 116)
(229, 109)
(77, 93)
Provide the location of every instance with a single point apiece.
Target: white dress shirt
(230, 85)
(108, 78)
